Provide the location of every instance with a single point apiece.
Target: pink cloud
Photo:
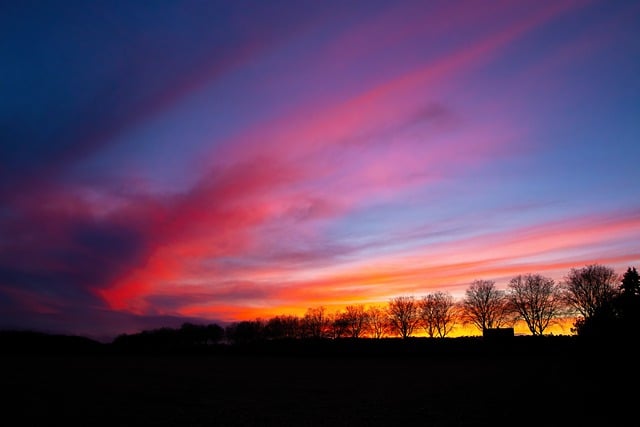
(225, 214)
(449, 266)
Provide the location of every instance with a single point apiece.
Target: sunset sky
(218, 161)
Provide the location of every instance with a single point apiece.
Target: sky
(218, 161)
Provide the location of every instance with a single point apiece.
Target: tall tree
(630, 284)
(436, 314)
(355, 317)
(283, 326)
(591, 293)
(485, 306)
(338, 325)
(628, 303)
(377, 322)
(245, 331)
(536, 299)
(316, 322)
(404, 315)
(215, 333)
(192, 334)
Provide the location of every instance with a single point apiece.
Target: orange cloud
(449, 266)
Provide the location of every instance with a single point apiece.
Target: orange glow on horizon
(561, 326)
(376, 280)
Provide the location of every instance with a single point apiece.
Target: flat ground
(546, 389)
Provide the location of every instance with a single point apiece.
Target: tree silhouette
(404, 315)
(193, 335)
(628, 303)
(630, 284)
(316, 322)
(377, 322)
(338, 325)
(283, 327)
(436, 314)
(536, 299)
(214, 333)
(355, 318)
(484, 306)
(591, 292)
(245, 332)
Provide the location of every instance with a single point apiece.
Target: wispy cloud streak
(304, 154)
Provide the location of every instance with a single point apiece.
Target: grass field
(514, 388)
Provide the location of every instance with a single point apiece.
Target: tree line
(602, 303)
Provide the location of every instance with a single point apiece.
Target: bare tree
(245, 331)
(537, 300)
(316, 322)
(377, 322)
(284, 326)
(214, 333)
(484, 306)
(589, 289)
(338, 325)
(437, 314)
(592, 292)
(428, 315)
(355, 318)
(404, 315)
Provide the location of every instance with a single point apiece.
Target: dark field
(524, 386)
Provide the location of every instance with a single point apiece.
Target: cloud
(108, 72)
(331, 164)
(56, 247)
(449, 265)
(264, 173)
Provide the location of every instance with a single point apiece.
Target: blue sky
(218, 161)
